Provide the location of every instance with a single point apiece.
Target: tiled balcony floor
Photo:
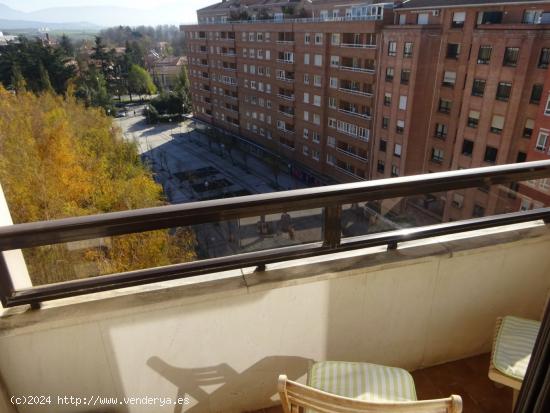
(466, 377)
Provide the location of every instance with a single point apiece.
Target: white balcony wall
(222, 342)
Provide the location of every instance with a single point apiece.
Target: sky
(32, 5)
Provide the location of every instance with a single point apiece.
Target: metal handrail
(331, 198)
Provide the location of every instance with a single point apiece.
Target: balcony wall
(222, 339)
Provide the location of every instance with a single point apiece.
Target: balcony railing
(359, 45)
(354, 91)
(285, 79)
(330, 198)
(286, 97)
(298, 20)
(357, 69)
(287, 114)
(357, 114)
(353, 155)
(285, 61)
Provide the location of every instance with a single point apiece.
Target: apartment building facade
(468, 98)
(304, 89)
(368, 91)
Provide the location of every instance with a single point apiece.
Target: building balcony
(355, 91)
(285, 79)
(358, 45)
(357, 69)
(286, 62)
(352, 155)
(356, 263)
(356, 114)
(287, 114)
(286, 97)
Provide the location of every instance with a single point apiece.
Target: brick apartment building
(359, 90)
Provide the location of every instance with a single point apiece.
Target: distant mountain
(180, 12)
(29, 24)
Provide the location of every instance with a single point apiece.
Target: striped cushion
(514, 344)
(363, 381)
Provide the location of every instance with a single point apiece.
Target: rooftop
(417, 4)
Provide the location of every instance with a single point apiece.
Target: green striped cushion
(363, 381)
(514, 344)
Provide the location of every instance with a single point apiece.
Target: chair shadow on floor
(220, 387)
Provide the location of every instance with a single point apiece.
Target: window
(440, 130)
(437, 155)
(380, 166)
(403, 102)
(385, 122)
(332, 123)
(490, 154)
(408, 49)
(497, 124)
(402, 18)
(397, 150)
(503, 91)
(318, 60)
(335, 61)
(445, 106)
(317, 100)
(528, 129)
(422, 18)
(449, 79)
(331, 141)
(467, 147)
(478, 211)
(484, 55)
(511, 55)
(306, 79)
(489, 17)
(306, 97)
(394, 170)
(478, 87)
(306, 133)
(521, 157)
(544, 58)
(405, 76)
(542, 141)
(334, 82)
(317, 80)
(383, 145)
(316, 119)
(316, 137)
(532, 16)
(400, 126)
(547, 107)
(392, 48)
(453, 50)
(331, 160)
(335, 39)
(389, 74)
(318, 38)
(305, 150)
(473, 119)
(306, 115)
(307, 38)
(316, 155)
(332, 102)
(387, 99)
(458, 200)
(536, 94)
(306, 58)
(458, 19)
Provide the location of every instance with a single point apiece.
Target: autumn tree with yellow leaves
(60, 159)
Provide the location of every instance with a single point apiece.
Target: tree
(66, 45)
(17, 80)
(92, 90)
(60, 159)
(41, 67)
(140, 82)
(182, 88)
